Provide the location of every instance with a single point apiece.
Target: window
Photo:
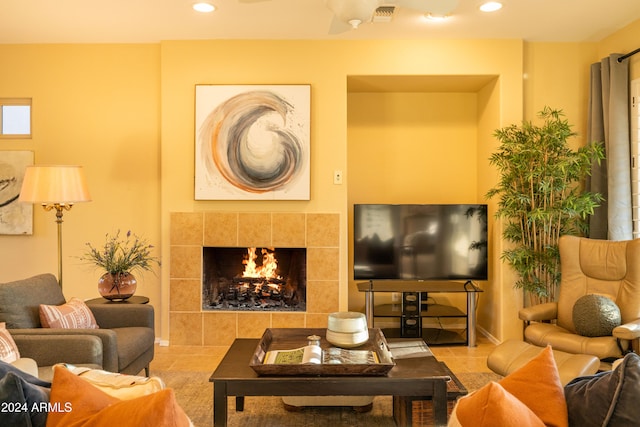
(15, 117)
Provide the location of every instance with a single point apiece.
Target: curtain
(609, 123)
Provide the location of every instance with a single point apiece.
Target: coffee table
(423, 377)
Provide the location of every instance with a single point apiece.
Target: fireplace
(190, 232)
(254, 279)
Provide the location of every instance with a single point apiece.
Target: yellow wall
(557, 76)
(97, 106)
(125, 112)
(326, 66)
(497, 303)
(412, 147)
(624, 41)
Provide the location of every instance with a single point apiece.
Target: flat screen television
(420, 242)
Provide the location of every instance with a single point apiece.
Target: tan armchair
(601, 267)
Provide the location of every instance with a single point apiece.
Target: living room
(125, 112)
(141, 170)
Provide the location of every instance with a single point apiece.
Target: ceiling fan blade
(338, 27)
(353, 10)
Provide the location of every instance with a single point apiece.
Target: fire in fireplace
(254, 279)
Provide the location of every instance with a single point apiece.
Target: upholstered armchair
(124, 341)
(599, 268)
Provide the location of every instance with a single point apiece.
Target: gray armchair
(124, 342)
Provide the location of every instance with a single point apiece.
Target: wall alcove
(418, 139)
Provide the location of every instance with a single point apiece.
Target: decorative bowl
(347, 339)
(347, 321)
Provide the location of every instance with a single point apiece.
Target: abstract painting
(15, 217)
(252, 142)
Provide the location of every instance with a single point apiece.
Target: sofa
(86, 397)
(121, 341)
(534, 395)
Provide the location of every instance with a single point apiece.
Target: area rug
(194, 393)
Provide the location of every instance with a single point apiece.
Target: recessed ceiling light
(490, 6)
(204, 7)
(434, 17)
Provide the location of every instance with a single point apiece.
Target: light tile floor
(196, 358)
(465, 359)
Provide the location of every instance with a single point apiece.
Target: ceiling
(150, 21)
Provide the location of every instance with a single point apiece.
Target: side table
(136, 299)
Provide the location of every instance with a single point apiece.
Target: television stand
(411, 311)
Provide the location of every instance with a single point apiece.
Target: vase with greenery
(541, 197)
(119, 257)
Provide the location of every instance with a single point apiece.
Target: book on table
(314, 354)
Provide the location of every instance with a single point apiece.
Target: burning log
(258, 280)
(258, 286)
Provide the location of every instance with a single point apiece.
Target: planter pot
(119, 286)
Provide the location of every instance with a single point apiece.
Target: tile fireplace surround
(190, 231)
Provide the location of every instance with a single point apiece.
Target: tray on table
(291, 338)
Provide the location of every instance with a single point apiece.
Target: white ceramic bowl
(347, 339)
(347, 321)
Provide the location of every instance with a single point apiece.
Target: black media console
(413, 308)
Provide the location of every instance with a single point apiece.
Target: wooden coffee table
(423, 377)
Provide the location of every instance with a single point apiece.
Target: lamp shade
(54, 184)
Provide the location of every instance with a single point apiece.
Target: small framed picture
(15, 217)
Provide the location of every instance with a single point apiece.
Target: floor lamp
(56, 188)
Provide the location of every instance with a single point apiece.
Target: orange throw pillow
(493, 406)
(530, 396)
(74, 401)
(537, 384)
(73, 315)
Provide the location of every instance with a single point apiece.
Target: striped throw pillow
(73, 315)
(8, 349)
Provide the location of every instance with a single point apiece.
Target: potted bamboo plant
(541, 197)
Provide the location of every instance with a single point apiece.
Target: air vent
(384, 14)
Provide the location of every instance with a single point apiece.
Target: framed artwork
(252, 142)
(15, 217)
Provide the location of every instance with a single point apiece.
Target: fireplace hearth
(254, 279)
